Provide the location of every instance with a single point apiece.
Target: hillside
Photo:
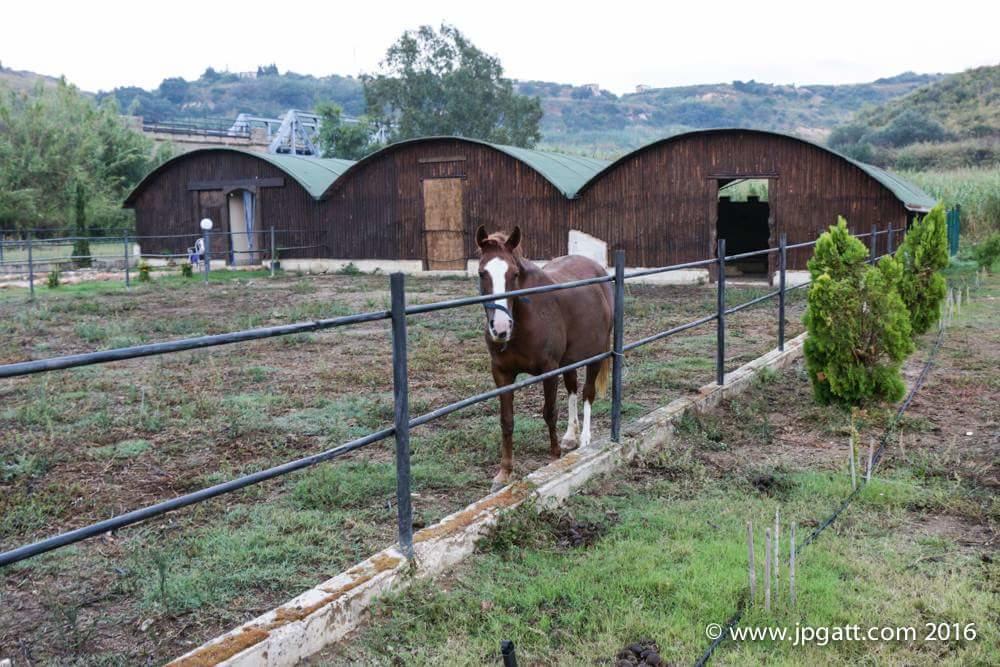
(583, 118)
(577, 118)
(952, 122)
(22, 81)
(223, 95)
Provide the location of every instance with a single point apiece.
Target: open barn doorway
(744, 220)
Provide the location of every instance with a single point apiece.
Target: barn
(244, 194)
(669, 201)
(415, 205)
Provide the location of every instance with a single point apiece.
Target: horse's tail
(601, 383)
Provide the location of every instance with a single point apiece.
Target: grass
(668, 567)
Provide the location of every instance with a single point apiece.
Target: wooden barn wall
(660, 204)
(167, 207)
(376, 212)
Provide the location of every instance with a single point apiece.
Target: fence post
(791, 567)
(872, 249)
(401, 403)
(782, 265)
(751, 567)
(274, 252)
(508, 653)
(31, 269)
(890, 240)
(127, 276)
(618, 342)
(206, 256)
(720, 331)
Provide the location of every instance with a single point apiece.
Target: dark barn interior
(745, 227)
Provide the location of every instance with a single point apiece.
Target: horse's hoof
(568, 445)
(498, 483)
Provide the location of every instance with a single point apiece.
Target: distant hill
(580, 119)
(222, 95)
(22, 81)
(583, 118)
(951, 122)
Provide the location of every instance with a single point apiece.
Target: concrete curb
(325, 614)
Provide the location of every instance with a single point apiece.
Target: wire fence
(27, 256)
(402, 422)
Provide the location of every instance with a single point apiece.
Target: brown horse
(542, 332)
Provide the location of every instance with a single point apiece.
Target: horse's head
(499, 272)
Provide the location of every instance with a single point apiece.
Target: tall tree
(439, 83)
(338, 138)
(53, 142)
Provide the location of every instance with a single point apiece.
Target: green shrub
(349, 269)
(53, 279)
(186, 270)
(987, 252)
(859, 328)
(922, 255)
(144, 276)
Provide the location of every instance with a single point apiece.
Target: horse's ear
(481, 236)
(515, 238)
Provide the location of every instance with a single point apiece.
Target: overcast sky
(100, 45)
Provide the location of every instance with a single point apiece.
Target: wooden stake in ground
(777, 552)
(767, 569)
(791, 566)
(871, 456)
(751, 568)
(851, 454)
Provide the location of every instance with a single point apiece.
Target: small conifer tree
(858, 325)
(81, 247)
(922, 255)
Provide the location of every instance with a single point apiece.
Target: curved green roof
(312, 173)
(567, 173)
(912, 197)
(908, 194)
(315, 175)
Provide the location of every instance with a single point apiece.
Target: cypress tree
(922, 255)
(858, 325)
(81, 247)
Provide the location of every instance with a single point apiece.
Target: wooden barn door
(212, 205)
(444, 228)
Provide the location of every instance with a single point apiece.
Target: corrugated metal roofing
(315, 175)
(312, 173)
(567, 173)
(911, 196)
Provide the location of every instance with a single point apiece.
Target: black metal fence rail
(398, 313)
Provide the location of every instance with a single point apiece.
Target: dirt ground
(81, 445)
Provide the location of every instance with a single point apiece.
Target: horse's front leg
(506, 431)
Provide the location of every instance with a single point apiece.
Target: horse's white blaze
(574, 420)
(585, 434)
(501, 324)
